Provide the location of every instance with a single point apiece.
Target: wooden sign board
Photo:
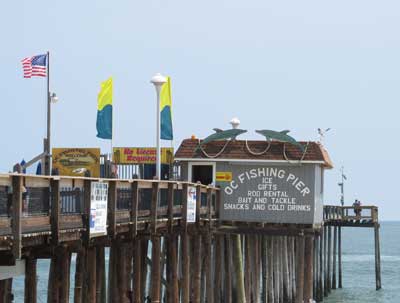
(273, 194)
(141, 155)
(76, 161)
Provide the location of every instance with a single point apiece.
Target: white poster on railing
(98, 209)
(191, 205)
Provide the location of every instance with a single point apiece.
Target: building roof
(252, 150)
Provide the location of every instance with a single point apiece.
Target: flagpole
(112, 129)
(48, 143)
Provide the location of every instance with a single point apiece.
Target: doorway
(203, 173)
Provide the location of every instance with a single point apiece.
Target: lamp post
(51, 98)
(158, 80)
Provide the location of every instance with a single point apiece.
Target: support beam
(209, 287)
(112, 207)
(172, 269)
(155, 269)
(329, 261)
(100, 276)
(185, 248)
(64, 278)
(218, 268)
(138, 267)
(377, 258)
(270, 256)
(308, 269)
(55, 211)
(197, 267)
(300, 270)
(228, 269)
(340, 256)
(238, 267)
(30, 281)
(90, 276)
(334, 256)
(16, 216)
(79, 268)
(321, 266)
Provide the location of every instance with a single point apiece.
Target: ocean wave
(368, 258)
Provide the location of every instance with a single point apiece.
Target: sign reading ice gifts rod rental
(98, 209)
(141, 155)
(277, 194)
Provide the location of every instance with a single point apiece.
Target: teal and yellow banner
(166, 111)
(104, 110)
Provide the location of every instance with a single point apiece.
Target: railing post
(154, 207)
(112, 206)
(185, 248)
(198, 203)
(16, 215)
(55, 211)
(218, 201)
(134, 208)
(209, 207)
(170, 210)
(87, 184)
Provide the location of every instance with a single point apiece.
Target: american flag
(34, 66)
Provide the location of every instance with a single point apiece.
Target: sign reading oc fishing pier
(275, 194)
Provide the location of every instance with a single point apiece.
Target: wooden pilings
(30, 281)
(156, 254)
(340, 283)
(201, 267)
(377, 257)
(6, 290)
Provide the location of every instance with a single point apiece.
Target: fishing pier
(259, 234)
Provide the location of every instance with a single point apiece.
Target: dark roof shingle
(250, 150)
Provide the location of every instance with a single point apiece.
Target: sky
(295, 65)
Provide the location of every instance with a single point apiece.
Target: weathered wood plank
(154, 207)
(86, 212)
(112, 208)
(155, 267)
(30, 281)
(134, 209)
(55, 211)
(16, 215)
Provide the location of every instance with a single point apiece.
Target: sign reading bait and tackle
(98, 209)
(76, 161)
(222, 176)
(286, 194)
(191, 204)
(141, 155)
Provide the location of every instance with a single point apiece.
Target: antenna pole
(342, 187)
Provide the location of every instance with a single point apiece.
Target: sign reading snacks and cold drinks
(274, 194)
(141, 155)
(76, 161)
(191, 205)
(98, 209)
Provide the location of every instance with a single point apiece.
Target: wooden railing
(351, 213)
(57, 205)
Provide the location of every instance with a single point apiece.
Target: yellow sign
(223, 176)
(141, 155)
(77, 161)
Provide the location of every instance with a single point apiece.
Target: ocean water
(358, 268)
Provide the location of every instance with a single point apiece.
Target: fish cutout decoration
(281, 136)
